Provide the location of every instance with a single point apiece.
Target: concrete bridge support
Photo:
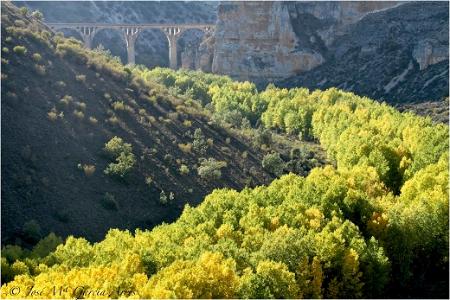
(131, 34)
(172, 34)
(87, 34)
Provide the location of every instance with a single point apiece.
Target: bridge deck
(124, 25)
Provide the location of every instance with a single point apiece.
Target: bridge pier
(131, 34)
(87, 34)
(172, 34)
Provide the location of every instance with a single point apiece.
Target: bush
(38, 15)
(186, 148)
(124, 164)
(66, 100)
(184, 170)
(5, 50)
(125, 159)
(80, 78)
(23, 11)
(199, 143)
(118, 105)
(39, 69)
(273, 163)
(163, 198)
(78, 114)
(37, 57)
(262, 136)
(210, 169)
(52, 115)
(109, 201)
(116, 146)
(93, 120)
(81, 105)
(88, 170)
(21, 50)
(32, 230)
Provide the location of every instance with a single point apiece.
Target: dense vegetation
(372, 224)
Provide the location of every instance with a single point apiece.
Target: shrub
(184, 170)
(113, 120)
(19, 23)
(262, 136)
(37, 57)
(61, 84)
(93, 120)
(125, 159)
(38, 15)
(273, 163)
(5, 50)
(78, 114)
(199, 143)
(81, 105)
(39, 69)
(148, 180)
(163, 198)
(46, 245)
(32, 230)
(66, 100)
(109, 201)
(118, 105)
(186, 148)
(210, 169)
(80, 78)
(115, 146)
(21, 50)
(52, 115)
(88, 170)
(187, 123)
(23, 11)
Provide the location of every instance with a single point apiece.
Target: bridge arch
(188, 43)
(152, 48)
(116, 42)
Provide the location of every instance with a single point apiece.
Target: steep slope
(397, 55)
(61, 104)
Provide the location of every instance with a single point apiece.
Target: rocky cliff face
(395, 51)
(267, 41)
(397, 55)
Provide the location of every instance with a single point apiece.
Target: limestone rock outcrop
(428, 52)
(256, 41)
(268, 41)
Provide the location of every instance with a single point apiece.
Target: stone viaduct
(130, 33)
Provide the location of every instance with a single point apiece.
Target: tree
(199, 143)
(210, 169)
(273, 163)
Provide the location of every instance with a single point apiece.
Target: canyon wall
(267, 41)
(393, 51)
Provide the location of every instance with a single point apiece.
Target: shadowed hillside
(61, 104)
